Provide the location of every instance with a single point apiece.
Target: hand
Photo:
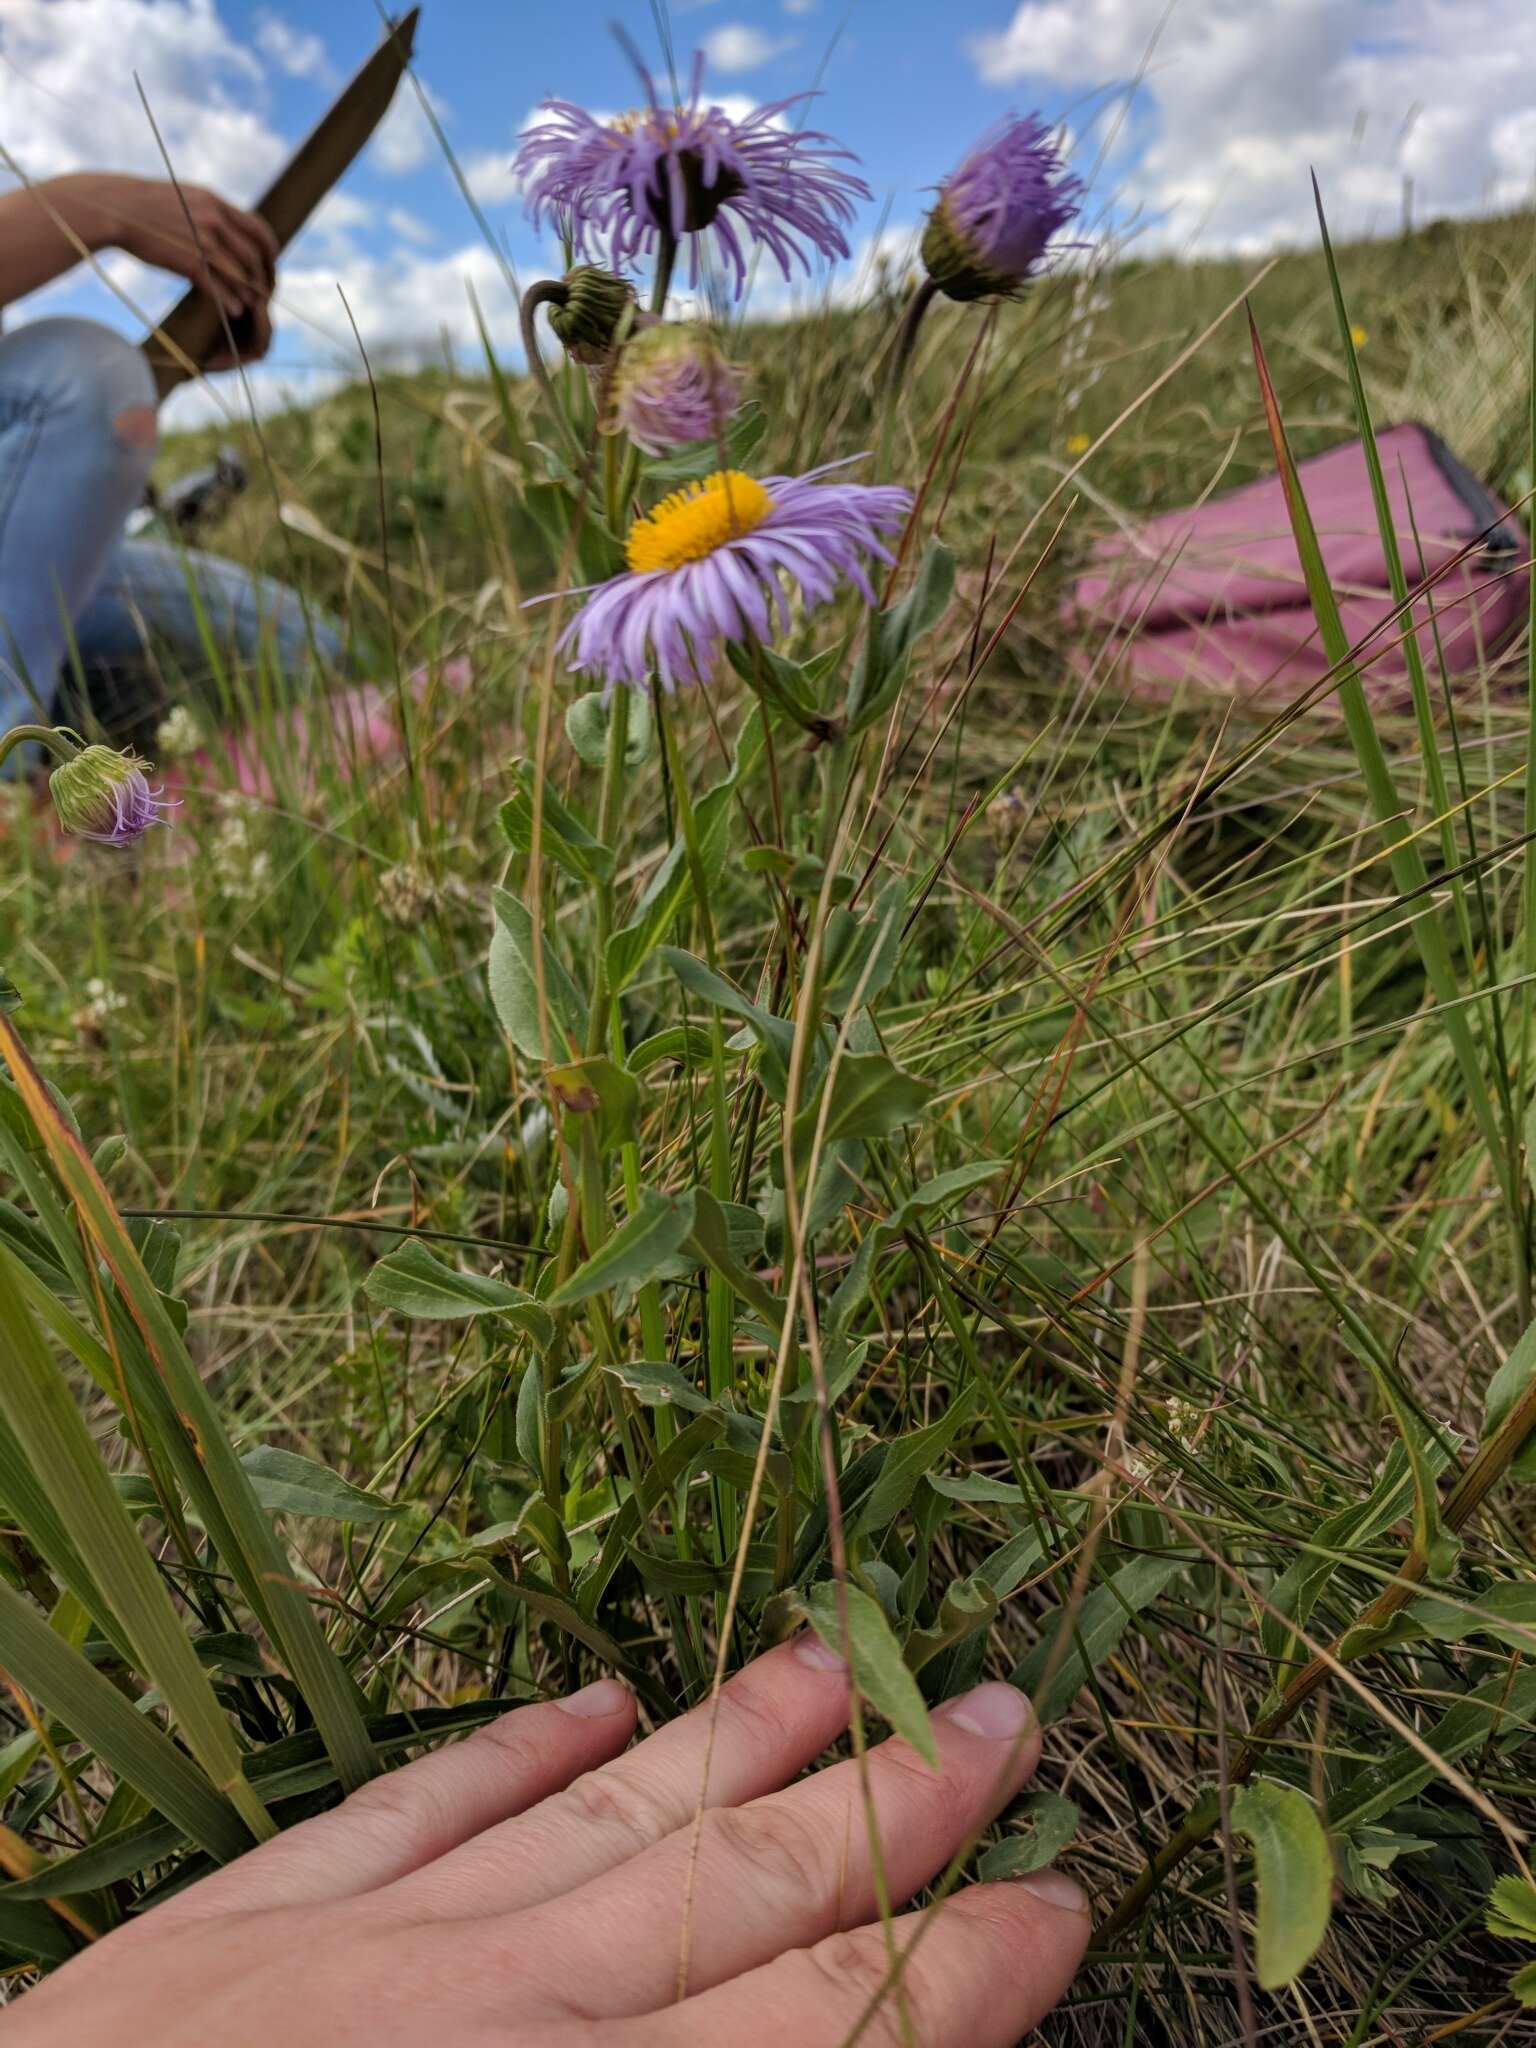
(251, 332)
(528, 1888)
(197, 235)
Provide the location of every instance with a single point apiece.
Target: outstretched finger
(772, 1719)
(977, 1971)
(410, 1816)
(784, 1871)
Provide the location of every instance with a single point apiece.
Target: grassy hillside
(1230, 1232)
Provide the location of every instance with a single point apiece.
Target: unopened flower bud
(672, 386)
(997, 213)
(594, 315)
(100, 794)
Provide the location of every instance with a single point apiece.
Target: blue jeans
(77, 437)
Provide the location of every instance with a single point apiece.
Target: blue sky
(1238, 99)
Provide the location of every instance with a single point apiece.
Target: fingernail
(997, 1711)
(811, 1651)
(605, 1696)
(1056, 1889)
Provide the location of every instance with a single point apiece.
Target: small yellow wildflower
(1078, 445)
(1359, 336)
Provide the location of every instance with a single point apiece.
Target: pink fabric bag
(1213, 598)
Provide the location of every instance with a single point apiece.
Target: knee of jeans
(79, 366)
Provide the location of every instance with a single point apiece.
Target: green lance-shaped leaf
(875, 1659)
(513, 979)
(1498, 1714)
(776, 1035)
(893, 634)
(412, 1281)
(1101, 1622)
(637, 1251)
(867, 1096)
(562, 836)
(933, 1196)
(171, 1394)
(90, 1706)
(1508, 1384)
(1040, 1827)
(288, 1484)
(710, 1240)
(1293, 1873)
(48, 1426)
(907, 1460)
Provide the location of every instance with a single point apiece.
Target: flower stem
(661, 284)
(63, 745)
(549, 291)
(901, 357)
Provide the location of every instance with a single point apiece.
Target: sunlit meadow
(750, 1083)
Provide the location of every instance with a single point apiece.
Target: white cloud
(404, 306)
(409, 226)
(737, 46)
(294, 50)
(67, 99)
(1243, 97)
(799, 6)
(404, 140)
(490, 176)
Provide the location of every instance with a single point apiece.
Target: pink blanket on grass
(1212, 599)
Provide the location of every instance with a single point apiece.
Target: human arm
(46, 228)
(530, 1888)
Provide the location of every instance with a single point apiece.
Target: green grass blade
(51, 1432)
(1403, 856)
(218, 1482)
(60, 1679)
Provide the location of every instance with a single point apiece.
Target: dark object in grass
(1211, 600)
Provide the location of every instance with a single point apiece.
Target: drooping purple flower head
(103, 795)
(673, 386)
(997, 213)
(620, 188)
(711, 564)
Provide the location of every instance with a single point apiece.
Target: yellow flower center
(696, 520)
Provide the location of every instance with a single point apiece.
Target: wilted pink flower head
(998, 211)
(100, 794)
(672, 386)
(621, 188)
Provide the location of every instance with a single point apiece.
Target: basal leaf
(1293, 1873)
(413, 1281)
(515, 991)
(292, 1485)
(1040, 1827)
(875, 1659)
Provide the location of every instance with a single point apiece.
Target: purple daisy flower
(998, 211)
(106, 796)
(710, 564)
(673, 386)
(620, 188)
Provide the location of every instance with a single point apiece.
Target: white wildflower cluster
(406, 894)
(1184, 1419)
(1090, 298)
(102, 1001)
(178, 734)
(242, 868)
